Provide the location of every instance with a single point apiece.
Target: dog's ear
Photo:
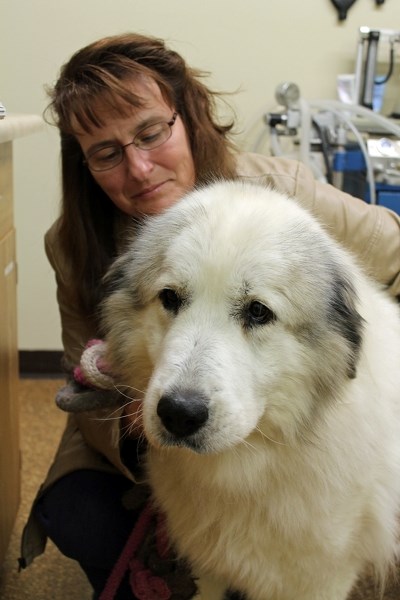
(345, 318)
(115, 275)
(113, 281)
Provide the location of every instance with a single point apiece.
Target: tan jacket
(372, 233)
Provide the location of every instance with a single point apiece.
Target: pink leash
(144, 584)
(93, 372)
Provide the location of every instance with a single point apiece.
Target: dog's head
(236, 311)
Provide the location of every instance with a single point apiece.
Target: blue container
(351, 162)
(389, 196)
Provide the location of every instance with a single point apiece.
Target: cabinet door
(9, 413)
(6, 189)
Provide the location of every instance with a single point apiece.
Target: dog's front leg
(329, 588)
(210, 589)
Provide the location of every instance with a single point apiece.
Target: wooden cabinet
(11, 127)
(9, 414)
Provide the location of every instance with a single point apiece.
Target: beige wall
(248, 45)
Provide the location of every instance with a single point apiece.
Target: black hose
(379, 81)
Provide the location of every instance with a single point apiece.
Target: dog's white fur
(291, 485)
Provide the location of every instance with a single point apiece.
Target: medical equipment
(366, 80)
(347, 144)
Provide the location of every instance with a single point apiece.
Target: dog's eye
(258, 314)
(170, 300)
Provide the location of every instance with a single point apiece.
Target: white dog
(272, 406)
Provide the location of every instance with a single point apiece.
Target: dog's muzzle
(183, 413)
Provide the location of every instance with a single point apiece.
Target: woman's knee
(83, 514)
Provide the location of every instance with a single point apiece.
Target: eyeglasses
(149, 138)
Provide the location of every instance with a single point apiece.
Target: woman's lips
(148, 191)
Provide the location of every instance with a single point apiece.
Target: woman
(138, 130)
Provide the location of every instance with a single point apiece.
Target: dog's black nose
(183, 413)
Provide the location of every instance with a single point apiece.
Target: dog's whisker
(125, 432)
(120, 388)
(132, 425)
(118, 409)
(110, 417)
(137, 417)
(118, 418)
(264, 435)
(129, 401)
(252, 448)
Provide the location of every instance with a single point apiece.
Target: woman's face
(146, 181)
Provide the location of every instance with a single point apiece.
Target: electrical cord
(385, 79)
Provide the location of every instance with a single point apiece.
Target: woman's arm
(371, 233)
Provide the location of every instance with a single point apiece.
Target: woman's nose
(138, 162)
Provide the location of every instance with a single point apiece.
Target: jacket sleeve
(370, 232)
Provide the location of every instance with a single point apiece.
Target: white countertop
(17, 125)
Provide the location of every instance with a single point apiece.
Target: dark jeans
(83, 515)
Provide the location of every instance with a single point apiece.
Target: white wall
(248, 45)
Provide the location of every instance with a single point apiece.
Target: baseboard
(40, 363)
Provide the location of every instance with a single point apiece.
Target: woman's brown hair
(102, 71)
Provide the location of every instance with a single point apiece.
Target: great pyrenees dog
(270, 371)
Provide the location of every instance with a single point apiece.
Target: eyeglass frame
(121, 148)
